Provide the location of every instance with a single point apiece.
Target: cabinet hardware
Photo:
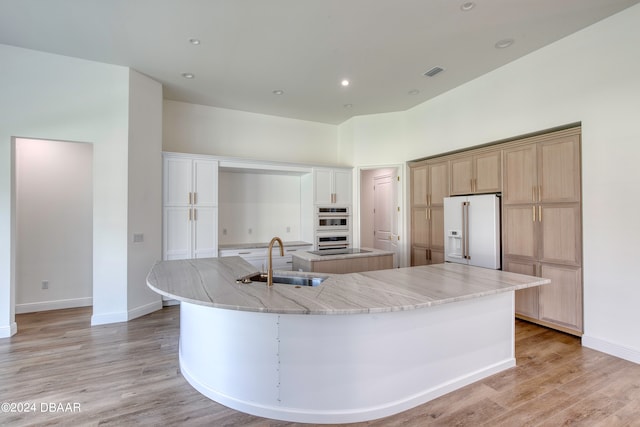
(190, 214)
(190, 198)
(539, 213)
(533, 211)
(539, 193)
(244, 253)
(195, 214)
(429, 214)
(195, 198)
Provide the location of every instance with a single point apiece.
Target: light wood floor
(127, 374)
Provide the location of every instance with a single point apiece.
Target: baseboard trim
(145, 309)
(9, 330)
(617, 350)
(117, 317)
(33, 307)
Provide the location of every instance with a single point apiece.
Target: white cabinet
(332, 186)
(190, 207)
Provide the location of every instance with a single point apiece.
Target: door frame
(401, 193)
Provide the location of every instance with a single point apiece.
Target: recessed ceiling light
(466, 7)
(188, 75)
(345, 82)
(413, 92)
(504, 43)
(194, 41)
(278, 92)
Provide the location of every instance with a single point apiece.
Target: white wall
(145, 191)
(266, 204)
(199, 129)
(55, 97)
(589, 77)
(54, 215)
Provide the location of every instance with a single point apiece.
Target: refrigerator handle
(465, 230)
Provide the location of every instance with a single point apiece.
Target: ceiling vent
(432, 72)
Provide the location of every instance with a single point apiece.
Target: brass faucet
(270, 265)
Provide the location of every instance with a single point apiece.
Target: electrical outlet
(224, 231)
(45, 284)
(288, 229)
(138, 237)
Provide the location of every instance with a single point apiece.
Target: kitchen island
(357, 347)
(342, 260)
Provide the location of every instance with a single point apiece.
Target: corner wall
(589, 77)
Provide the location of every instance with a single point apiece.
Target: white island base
(343, 368)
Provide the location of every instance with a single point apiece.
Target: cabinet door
(487, 173)
(419, 256)
(519, 228)
(437, 228)
(559, 170)
(520, 179)
(561, 300)
(438, 183)
(205, 232)
(342, 187)
(176, 235)
(461, 175)
(323, 187)
(205, 183)
(526, 301)
(419, 185)
(437, 257)
(419, 227)
(560, 233)
(177, 177)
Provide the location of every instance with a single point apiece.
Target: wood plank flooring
(127, 374)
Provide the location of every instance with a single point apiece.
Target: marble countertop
(260, 245)
(308, 256)
(212, 282)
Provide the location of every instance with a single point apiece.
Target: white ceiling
(249, 48)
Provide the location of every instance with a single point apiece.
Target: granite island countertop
(212, 282)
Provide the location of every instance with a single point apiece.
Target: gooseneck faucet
(270, 265)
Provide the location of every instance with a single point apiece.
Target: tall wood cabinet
(190, 207)
(542, 230)
(430, 185)
(540, 181)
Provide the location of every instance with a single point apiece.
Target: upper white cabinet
(332, 186)
(190, 212)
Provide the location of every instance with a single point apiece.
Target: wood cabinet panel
(419, 256)
(519, 231)
(520, 179)
(438, 183)
(526, 300)
(488, 176)
(559, 170)
(561, 300)
(419, 226)
(436, 257)
(461, 175)
(419, 186)
(561, 234)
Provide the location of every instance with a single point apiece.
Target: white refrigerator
(472, 230)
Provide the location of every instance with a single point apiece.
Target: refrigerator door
(453, 229)
(484, 231)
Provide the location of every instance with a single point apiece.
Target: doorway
(54, 224)
(379, 210)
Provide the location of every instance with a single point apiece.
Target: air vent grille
(432, 72)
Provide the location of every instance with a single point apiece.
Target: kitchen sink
(286, 279)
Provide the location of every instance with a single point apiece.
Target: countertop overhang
(212, 282)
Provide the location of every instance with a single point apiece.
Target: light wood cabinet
(477, 173)
(540, 181)
(190, 212)
(429, 187)
(542, 227)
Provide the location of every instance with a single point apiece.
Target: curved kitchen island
(357, 347)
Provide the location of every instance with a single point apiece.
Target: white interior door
(385, 218)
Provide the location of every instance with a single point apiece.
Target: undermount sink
(286, 279)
